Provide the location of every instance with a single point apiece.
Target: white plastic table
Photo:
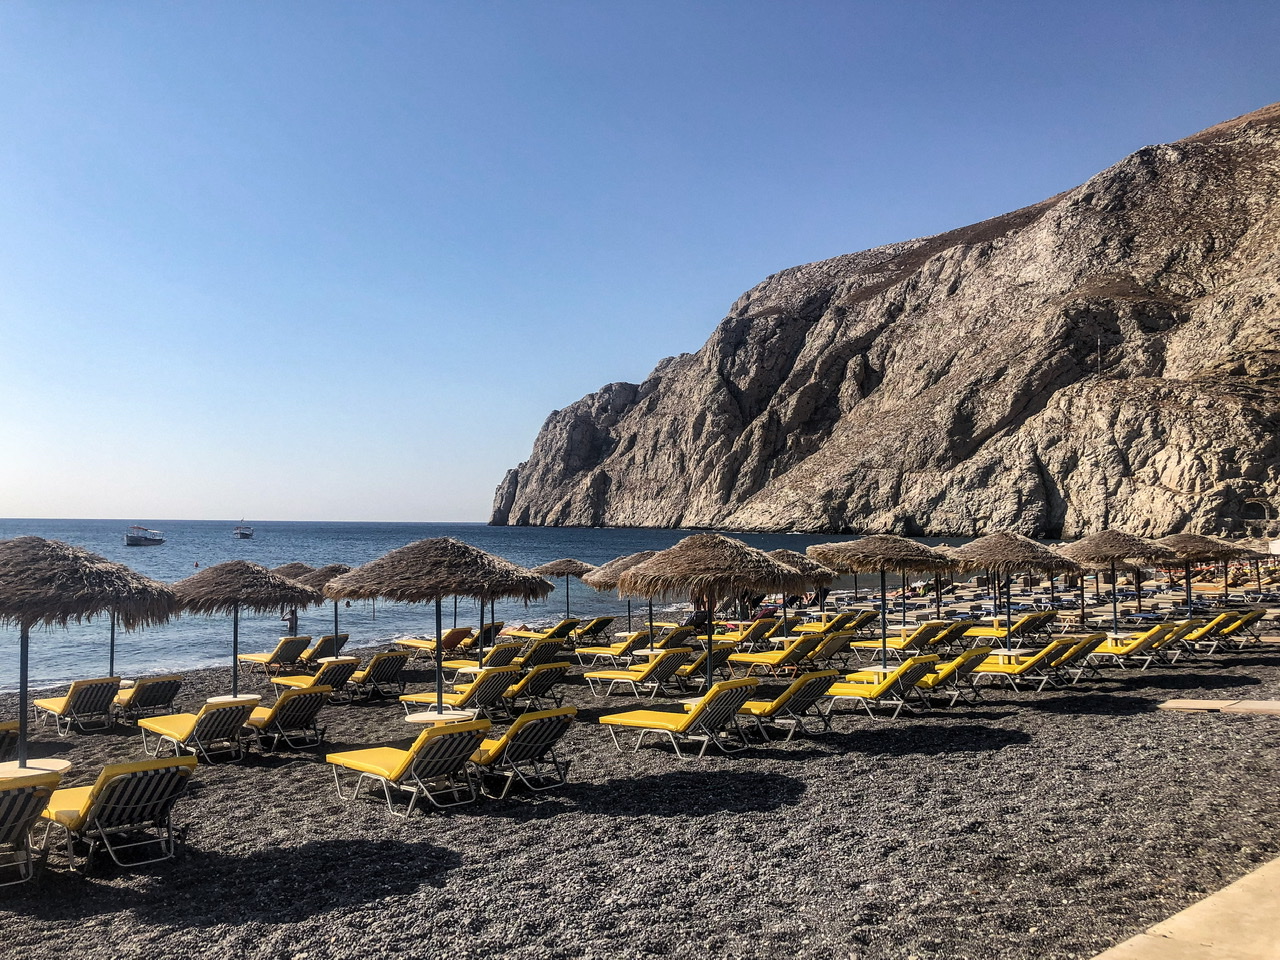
(13, 768)
(435, 718)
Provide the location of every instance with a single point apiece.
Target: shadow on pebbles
(1031, 826)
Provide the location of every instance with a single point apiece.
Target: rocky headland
(1107, 357)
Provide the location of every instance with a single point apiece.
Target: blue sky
(317, 260)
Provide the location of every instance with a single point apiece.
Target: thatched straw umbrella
(317, 579)
(817, 574)
(294, 571)
(430, 570)
(568, 567)
(1005, 554)
(240, 585)
(1116, 548)
(880, 552)
(1258, 550)
(1194, 548)
(50, 582)
(605, 577)
(709, 567)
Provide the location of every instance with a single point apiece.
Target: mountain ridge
(1103, 357)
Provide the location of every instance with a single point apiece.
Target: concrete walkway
(1223, 706)
(1239, 922)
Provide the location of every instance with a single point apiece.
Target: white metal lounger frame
(440, 772)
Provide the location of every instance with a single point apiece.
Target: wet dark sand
(1034, 825)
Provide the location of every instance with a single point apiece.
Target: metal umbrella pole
(235, 650)
(439, 660)
(111, 657)
(884, 623)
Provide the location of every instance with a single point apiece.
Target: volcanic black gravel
(1046, 825)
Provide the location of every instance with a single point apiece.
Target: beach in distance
(59, 656)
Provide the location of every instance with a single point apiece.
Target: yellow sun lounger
(707, 722)
(8, 739)
(286, 654)
(292, 718)
(561, 631)
(87, 705)
(481, 695)
(908, 641)
(499, 655)
(776, 661)
(453, 639)
(896, 688)
(651, 676)
(613, 652)
(792, 707)
(129, 807)
(526, 752)
(330, 645)
(334, 673)
(434, 767)
(592, 630)
(955, 677)
(213, 732)
(537, 685)
(22, 800)
(382, 676)
(149, 697)
(1032, 667)
(1134, 648)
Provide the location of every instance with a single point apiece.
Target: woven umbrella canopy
(568, 567)
(1005, 554)
(240, 585)
(815, 574)
(1116, 548)
(605, 577)
(709, 567)
(49, 582)
(317, 579)
(880, 552)
(294, 571)
(1194, 548)
(430, 570)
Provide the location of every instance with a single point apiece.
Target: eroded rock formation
(1108, 357)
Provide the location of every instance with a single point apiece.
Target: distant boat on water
(243, 532)
(137, 536)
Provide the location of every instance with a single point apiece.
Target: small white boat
(243, 532)
(137, 536)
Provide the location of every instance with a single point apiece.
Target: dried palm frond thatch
(1194, 547)
(878, 552)
(605, 576)
(1006, 553)
(294, 570)
(240, 585)
(437, 568)
(707, 565)
(568, 567)
(317, 578)
(813, 572)
(1116, 547)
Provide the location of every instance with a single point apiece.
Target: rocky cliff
(1108, 357)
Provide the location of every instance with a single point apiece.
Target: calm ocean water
(188, 642)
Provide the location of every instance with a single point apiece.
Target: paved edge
(1223, 706)
(1239, 922)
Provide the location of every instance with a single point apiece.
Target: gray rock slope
(1107, 357)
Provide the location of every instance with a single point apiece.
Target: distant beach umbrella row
(568, 567)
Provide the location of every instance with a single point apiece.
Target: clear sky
(321, 260)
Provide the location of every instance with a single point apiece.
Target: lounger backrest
(799, 649)
(291, 649)
(336, 673)
(488, 687)
(440, 751)
(1212, 627)
(1048, 654)
(1080, 650)
(1181, 631)
(453, 638)
(490, 633)
(962, 665)
(21, 800)
(298, 708)
(912, 672)
(677, 637)
(593, 629)
(539, 681)
(925, 633)
(758, 630)
(155, 692)
(138, 793)
(386, 667)
(633, 642)
(1242, 623)
(533, 734)
(664, 666)
(542, 651)
(561, 630)
(91, 697)
(721, 704)
(860, 620)
(220, 721)
(805, 690)
(954, 631)
(8, 739)
(502, 654)
(329, 646)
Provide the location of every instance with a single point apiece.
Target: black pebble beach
(1034, 825)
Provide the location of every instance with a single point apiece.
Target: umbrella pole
(439, 662)
(1139, 579)
(24, 645)
(566, 596)
(937, 596)
(628, 614)
(711, 629)
(884, 624)
(1257, 573)
(111, 656)
(480, 636)
(455, 613)
(1115, 600)
(235, 650)
(1008, 612)
(1186, 582)
(1081, 599)
(903, 591)
(1226, 575)
(335, 627)
(651, 636)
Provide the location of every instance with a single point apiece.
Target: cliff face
(1108, 357)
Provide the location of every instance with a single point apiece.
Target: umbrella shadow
(1186, 681)
(205, 888)
(688, 793)
(1097, 704)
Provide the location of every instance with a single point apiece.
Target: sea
(59, 655)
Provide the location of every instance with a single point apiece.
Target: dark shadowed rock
(1107, 357)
